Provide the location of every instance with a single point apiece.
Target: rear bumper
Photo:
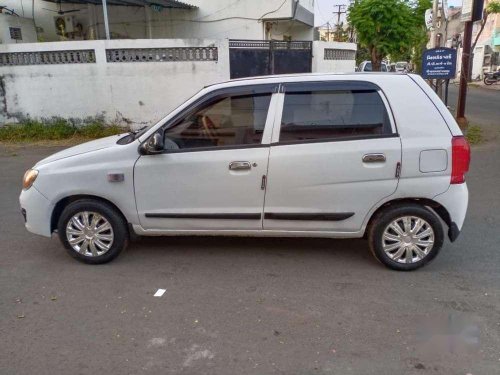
(453, 231)
(455, 200)
(36, 210)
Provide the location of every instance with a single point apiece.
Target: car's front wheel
(92, 231)
(405, 237)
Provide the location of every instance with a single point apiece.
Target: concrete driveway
(250, 306)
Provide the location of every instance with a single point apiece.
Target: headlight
(29, 178)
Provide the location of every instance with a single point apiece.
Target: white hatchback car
(338, 156)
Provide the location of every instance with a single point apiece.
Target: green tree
(419, 32)
(362, 54)
(388, 27)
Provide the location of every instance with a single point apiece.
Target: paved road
(482, 105)
(250, 306)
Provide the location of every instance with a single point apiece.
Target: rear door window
(330, 112)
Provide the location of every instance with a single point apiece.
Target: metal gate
(248, 58)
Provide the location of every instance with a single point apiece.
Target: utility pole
(464, 73)
(434, 40)
(340, 10)
(472, 10)
(435, 9)
(106, 22)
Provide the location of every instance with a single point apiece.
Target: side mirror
(154, 144)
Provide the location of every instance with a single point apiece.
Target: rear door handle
(239, 165)
(373, 158)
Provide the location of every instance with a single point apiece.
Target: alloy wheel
(89, 233)
(408, 239)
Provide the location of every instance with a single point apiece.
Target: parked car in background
(319, 155)
(401, 66)
(366, 66)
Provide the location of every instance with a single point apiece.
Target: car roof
(304, 77)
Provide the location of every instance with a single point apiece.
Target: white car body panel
(200, 183)
(306, 178)
(87, 174)
(336, 181)
(39, 209)
(456, 200)
(246, 233)
(83, 148)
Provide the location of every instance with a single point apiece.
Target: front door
(336, 155)
(210, 175)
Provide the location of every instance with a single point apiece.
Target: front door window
(220, 122)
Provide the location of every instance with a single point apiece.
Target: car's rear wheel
(92, 231)
(405, 238)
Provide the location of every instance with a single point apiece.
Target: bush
(56, 128)
(474, 135)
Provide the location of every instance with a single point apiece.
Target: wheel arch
(64, 202)
(437, 207)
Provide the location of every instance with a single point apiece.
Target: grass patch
(55, 129)
(474, 135)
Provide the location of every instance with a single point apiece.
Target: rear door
(335, 154)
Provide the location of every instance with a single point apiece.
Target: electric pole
(464, 73)
(435, 8)
(340, 10)
(473, 12)
(435, 42)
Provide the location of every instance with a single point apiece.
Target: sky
(323, 10)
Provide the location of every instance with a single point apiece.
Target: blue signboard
(439, 63)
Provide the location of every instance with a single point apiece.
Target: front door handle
(373, 158)
(239, 165)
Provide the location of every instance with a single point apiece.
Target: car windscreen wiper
(134, 133)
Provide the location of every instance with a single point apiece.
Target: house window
(15, 33)
(339, 54)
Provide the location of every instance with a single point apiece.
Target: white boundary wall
(127, 92)
(134, 93)
(322, 51)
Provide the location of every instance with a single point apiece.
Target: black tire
(487, 81)
(386, 216)
(115, 219)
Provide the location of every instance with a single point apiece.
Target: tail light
(460, 159)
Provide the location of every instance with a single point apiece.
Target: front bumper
(37, 211)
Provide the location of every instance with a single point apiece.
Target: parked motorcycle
(491, 78)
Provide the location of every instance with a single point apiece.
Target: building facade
(144, 19)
